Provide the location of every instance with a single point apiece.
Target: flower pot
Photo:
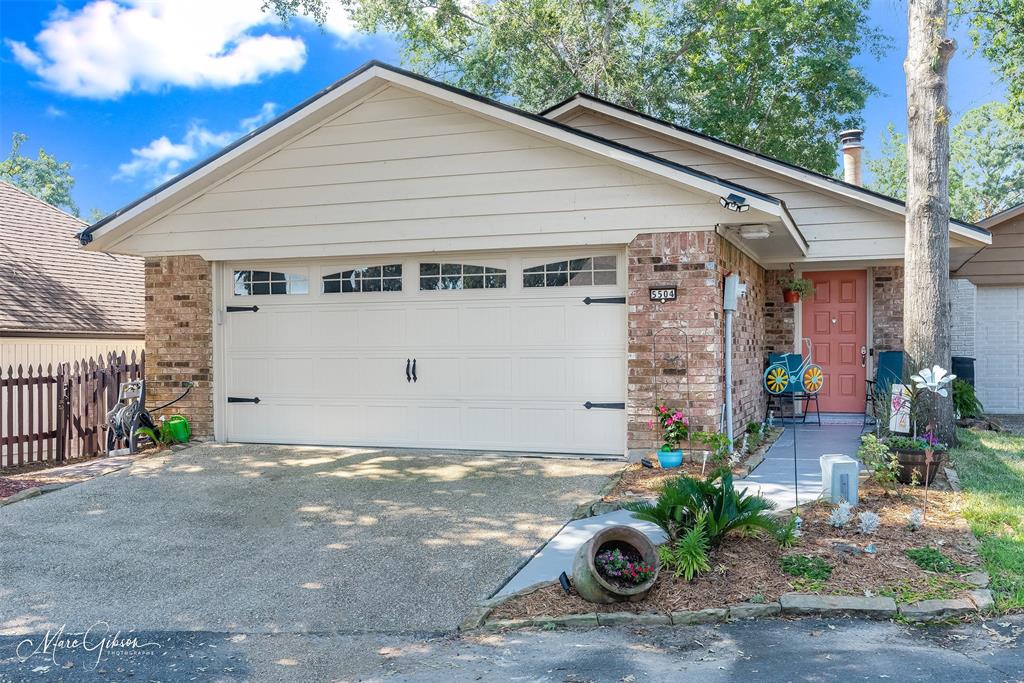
(593, 587)
(790, 297)
(670, 458)
(914, 460)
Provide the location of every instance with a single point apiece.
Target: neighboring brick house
(398, 262)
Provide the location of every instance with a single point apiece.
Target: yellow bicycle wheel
(776, 379)
(813, 379)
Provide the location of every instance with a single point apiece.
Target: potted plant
(911, 452)
(674, 430)
(795, 288)
(617, 564)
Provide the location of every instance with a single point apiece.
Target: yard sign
(899, 413)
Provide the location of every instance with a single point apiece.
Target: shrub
(688, 556)
(914, 443)
(806, 567)
(869, 522)
(930, 559)
(884, 465)
(965, 401)
(840, 515)
(755, 435)
(718, 444)
(787, 534)
(684, 500)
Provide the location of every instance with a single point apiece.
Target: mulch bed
(747, 568)
(8, 486)
(638, 481)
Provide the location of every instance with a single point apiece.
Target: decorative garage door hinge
(239, 309)
(614, 406)
(605, 300)
(239, 399)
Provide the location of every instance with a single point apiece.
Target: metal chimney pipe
(851, 144)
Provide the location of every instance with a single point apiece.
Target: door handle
(408, 377)
(863, 356)
(413, 369)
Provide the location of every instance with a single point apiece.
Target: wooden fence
(59, 414)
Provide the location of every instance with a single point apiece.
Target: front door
(835, 320)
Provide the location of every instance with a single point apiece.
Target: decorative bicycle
(810, 378)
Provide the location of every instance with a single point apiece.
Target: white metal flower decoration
(934, 380)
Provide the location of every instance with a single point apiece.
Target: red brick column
(689, 375)
(748, 343)
(887, 308)
(179, 337)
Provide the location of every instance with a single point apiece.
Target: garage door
(999, 345)
(499, 352)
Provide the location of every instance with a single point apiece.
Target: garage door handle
(408, 377)
(413, 369)
(614, 406)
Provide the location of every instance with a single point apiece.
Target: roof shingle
(49, 285)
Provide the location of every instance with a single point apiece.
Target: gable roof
(374, 74)
(818, 180)
(998, 218)
(49, 286)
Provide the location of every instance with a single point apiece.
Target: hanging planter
(795, 288)
(618, 564)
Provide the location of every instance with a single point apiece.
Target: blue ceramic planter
(670, 458)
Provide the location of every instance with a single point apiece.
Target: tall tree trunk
(926, 314)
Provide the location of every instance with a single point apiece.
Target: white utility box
(839, 478)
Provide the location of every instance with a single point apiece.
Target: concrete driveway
(264, 539)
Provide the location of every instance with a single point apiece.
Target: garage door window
(460, 276)
(597, 270)
(366, 279)
(260, 282)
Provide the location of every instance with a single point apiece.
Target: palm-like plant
(731, 510)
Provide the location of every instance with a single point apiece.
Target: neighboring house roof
(194, 180)
(1001, 263)
(49, 286)
(813, 178)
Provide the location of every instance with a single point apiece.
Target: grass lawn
(991, 469)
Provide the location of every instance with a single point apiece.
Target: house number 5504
(664, 294)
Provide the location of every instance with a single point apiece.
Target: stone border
(25, 494)
(788, 605)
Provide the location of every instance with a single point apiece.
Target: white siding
(403, 172)
(835, 228)
(999, 370)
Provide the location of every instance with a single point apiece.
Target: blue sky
(109, 86)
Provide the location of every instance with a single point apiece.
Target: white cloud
(108, 48)
(162, 159)
(53, 112)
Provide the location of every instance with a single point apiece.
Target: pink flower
(669, 422)
(650, 424)
(663, 409)
(677, 416)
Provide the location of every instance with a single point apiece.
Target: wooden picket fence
(60, 414)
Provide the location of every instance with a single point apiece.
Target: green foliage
(965, 401)
(682, 501)
(991, 469)
(780, 77)
(997, 31)
(986, 163)
(897, 442)
(876, 456)
(675, 428)
(42, 177)
(806, 567)
(688, 557)
(755, 435)
(801, 286)
(931, 560)
(718, 444)
(785, 534)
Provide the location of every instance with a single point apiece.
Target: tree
(986, 173)
(926, 317)
(997, 30)
(43, 177)
(776, 76)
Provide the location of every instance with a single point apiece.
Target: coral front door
(835, 320)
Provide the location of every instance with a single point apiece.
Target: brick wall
(779, 323)
(887, 308)
(748, 351)
(963, 295)
(688, 372)
(179, 337)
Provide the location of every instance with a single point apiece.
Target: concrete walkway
(773, 478)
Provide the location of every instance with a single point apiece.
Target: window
(259, 282)
(460, 276)
(598, 270)
(365, 279)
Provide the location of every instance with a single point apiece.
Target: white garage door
(455, 351)
(999, 344)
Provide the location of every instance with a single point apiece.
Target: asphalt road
(766, 650)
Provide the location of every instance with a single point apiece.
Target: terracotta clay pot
(790, 297)
(592, 587)
(914, 460)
